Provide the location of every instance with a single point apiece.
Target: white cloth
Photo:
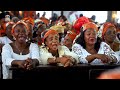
(5, 40)
(82, 53)
(62, 50)
(118, 53)
(8, 56)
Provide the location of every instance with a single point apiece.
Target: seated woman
(69, 38)
(19, 53)
(40, 28)
(8, 38)
(109, 35)
(91, 49)
(54, 53)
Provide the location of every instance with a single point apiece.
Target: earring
(14, 38)
(47, 48)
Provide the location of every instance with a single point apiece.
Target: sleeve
(108, 51)
(34, 51)
(44, 55)
(7, 55)
(78, 50)
(68, 52)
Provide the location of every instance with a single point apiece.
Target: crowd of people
(28, 42)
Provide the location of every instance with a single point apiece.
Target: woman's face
(20, 33)
(8, 29)
(90, 36)
(110, 34)
(40, 30)
(67, 42)
(52, 42)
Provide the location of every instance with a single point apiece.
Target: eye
(88, 34)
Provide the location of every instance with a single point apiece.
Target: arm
(34, 54)
(77, 49)
(73, 56)
(45, 55)
(109, 52)
(7, 55)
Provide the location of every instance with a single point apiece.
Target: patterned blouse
(104, 49)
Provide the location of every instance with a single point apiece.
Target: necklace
(19, 49)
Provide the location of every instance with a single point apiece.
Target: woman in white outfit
(91, 49)
(54, 53)
(19, 53)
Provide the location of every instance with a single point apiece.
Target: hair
(80, 40)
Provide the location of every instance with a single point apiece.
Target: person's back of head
(93, 17)
(81, 15)
(15, 19)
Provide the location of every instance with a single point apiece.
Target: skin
(8, 32)
(67, 42)
(109, 38)
(52, 42)
(110, 35)
(39, 31)
(20, 33)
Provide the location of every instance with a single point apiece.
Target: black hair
(80, 40)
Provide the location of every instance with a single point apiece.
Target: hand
(29, 64)
(21, 64)
(72, 60)
(66, 61)
(104, 58)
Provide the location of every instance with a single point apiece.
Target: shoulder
(7, 46)
(33, 45)
(104, 44)
(62, 47)
(77, 46)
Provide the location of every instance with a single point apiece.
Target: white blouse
(62, 50)
(5, 40)
(82, 53)
(8, 56)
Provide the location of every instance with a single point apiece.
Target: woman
(19, 53)
(109, 35)
(54, 53)
(69, 38)
(8, 38)
(40, 28)
(90, 49)
(60, 29)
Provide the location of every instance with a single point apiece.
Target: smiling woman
(91, 49)
(19, 53)
(54, 53)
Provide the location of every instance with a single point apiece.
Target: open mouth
(92, 39)
(22, 38)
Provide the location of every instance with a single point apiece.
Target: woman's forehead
(20, 26)
(91, 30)
(53, 35)
(111, 28)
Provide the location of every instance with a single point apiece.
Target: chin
(22, 41)
(55, 49)
(92, 43)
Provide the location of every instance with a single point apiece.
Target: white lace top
(82, 53)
